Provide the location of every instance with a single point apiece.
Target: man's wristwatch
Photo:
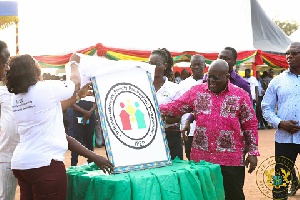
(77, 98)
(279, 125)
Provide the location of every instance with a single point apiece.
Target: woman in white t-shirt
(167, 91)
(37, 161)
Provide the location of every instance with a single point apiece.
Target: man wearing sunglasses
(225, 118)
(284, 93)
(229, 54)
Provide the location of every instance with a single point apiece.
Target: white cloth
(91, 66)
(168, 92)
(189, 82)
(8, 182)
(39, 117)
(185, 85)
(253, 83)
(9, 137)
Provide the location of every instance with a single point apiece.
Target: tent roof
(267, 36)
(133, 24)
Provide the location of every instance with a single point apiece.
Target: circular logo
(130, 115)
(272, 178)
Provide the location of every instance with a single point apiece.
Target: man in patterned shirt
(225, 118)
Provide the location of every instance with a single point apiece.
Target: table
(182, 180)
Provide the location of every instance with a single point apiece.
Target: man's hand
(252, 160)
(103, 164)
(86, 116)
(290, 126)
(186, 130)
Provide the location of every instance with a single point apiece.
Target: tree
(287, 26)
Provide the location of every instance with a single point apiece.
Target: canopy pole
(254, 68)
(17, 38)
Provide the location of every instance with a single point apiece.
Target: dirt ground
(251, 188)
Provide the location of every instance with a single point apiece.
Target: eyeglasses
(197, 66)
(292, 53)
(215, 77)
(157, 64)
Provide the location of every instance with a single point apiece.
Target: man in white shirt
(197, 66)
(253, 85)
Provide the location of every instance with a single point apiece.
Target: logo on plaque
(130, 115)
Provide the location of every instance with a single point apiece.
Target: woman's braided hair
(166, 55)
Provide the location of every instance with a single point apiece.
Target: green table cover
(182, 180)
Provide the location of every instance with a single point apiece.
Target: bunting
(275, 61)
(259, 57)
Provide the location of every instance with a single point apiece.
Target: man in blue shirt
(283, 93)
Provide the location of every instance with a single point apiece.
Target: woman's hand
(100, 161)
(84, 90)
(75, 57)
(103, 164)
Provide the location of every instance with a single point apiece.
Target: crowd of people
(258, 86)
(217, 114)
